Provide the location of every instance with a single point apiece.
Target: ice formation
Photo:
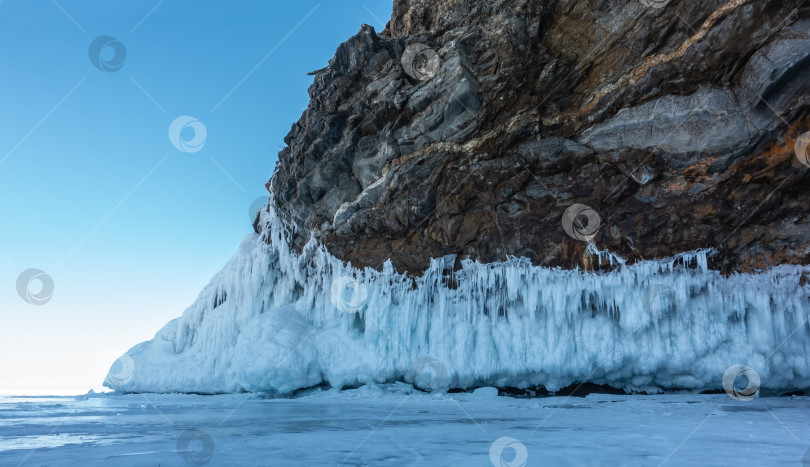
(274, 320)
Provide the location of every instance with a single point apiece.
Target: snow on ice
(395, 425)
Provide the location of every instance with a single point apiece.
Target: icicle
(650, 325)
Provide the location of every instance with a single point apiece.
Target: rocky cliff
(512, 133)
(497, 128)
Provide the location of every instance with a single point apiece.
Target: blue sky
(93, 191)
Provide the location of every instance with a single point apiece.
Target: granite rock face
(471, 127)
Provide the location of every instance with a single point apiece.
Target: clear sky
(92, 189)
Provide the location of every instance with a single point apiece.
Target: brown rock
(676, 125)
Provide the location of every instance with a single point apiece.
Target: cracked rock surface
(676, 125)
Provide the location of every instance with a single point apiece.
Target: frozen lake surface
(394, 425)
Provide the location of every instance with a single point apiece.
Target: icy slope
(275, 321)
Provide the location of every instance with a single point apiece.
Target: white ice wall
(652, 325)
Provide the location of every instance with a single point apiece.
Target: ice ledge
(273, 320)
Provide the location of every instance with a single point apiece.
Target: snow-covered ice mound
(273, 320)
